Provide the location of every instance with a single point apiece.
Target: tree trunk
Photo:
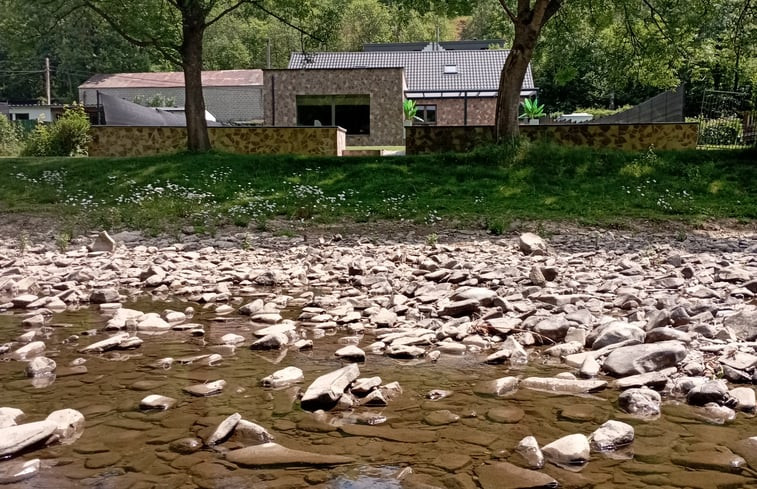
(511, 81)
(528, 20)
(194, 102)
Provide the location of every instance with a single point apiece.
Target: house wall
(385, 86)
(35, 112)
(144, 141)
(632, 137)
(451, 111)
(225, 103)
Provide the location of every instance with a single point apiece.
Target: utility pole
(47, 80)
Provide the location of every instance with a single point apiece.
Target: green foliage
(409, 109)
(157, 100)
(532, 109)
(68, 136)
(720, 132)
(10, 137)
(38, 141)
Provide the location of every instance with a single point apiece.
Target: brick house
(230, 95)
(363, 91)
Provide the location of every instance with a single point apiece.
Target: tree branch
(283, 20)
(168, 50)
(507, 10)
(224, 12)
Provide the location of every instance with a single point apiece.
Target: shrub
(10, 138)
(68, 136)
(720, 132)
(38, 141)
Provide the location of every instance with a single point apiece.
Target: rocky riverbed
(581, 357)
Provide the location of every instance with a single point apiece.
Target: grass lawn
(488, 188)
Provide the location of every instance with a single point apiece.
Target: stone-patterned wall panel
(632, 137)
(385, 86)
(143, 141)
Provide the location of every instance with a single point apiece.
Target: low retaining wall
(145, 141)
(632, 137)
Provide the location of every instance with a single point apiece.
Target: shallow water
(124, 447)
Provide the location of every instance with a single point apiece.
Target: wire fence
(726, 121)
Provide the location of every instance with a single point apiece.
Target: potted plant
(409, 110)
(532, 111)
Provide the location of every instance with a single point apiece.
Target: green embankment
(488, 188)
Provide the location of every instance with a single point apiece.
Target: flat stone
(101, 460)
(506, 414)
(532, 244)
(497, 387)
(568, 386)
(273, 454)
(390, 434)
(155, 401)
(206, 389)
(504, 475)
(326, 390)
(251, 433)
(18, 470)
(283, 378)
(351, 353)
(452, 462)
(441, 417)
(649, 357)
(723, 461)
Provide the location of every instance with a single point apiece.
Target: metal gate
(726, 121)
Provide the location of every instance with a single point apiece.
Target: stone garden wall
(436, 139)
(144, 141)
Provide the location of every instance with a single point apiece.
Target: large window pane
(311, 115)
(356, 119)
(352, 112)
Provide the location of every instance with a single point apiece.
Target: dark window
(352, 112)
(313, 115)
(21, 117)
(427, 114)
(356, 119)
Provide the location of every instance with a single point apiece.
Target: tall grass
(489, 187)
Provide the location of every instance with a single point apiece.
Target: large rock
(283, 378)
(744, 323)
(9, 416)
(224, 429)
(40, 366)
(528, 449)
(104, 296)
(568, 450)
(103, 242)
(251, 433)
(275, 454)
(712, 391)
(504, 475)
(30, 350)
(615, 332)
(69, 425)
(640, 402)
(325, 391)
(638, 359)
(16, 438)
(351, 353)
(206, 389)
(611, 436)
(156, 401)
(531, 244)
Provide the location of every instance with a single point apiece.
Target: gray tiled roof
(476, 70)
